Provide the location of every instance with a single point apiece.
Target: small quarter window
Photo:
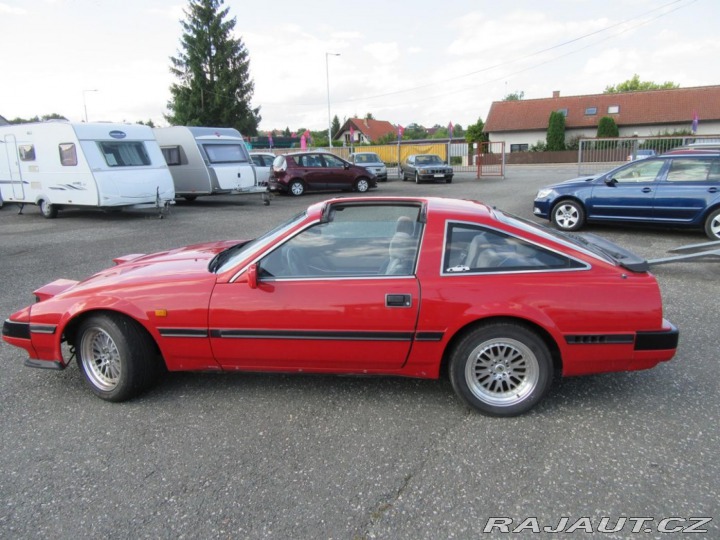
(68, 154)
(171, 155)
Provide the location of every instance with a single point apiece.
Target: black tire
(49, 211)
(568, 215)
(402, 175)
(417, 177)
(296, 188)
(117, 358)
(362, 185)
(712, 225)
(189, 198)
(501, 369)
(448, 180)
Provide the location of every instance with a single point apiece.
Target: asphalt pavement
(299, 456)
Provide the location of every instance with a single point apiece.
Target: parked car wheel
(417, 177)
(448, 181)
(116, 357)
(189, 198)
(362, 185)
(568, 215)
(402, 175)
(48, 210)
(296, 188)
(712, 225)
(501, 369)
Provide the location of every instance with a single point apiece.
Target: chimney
(556, 93)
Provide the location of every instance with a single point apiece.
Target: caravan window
(68, 154)
(26, 152)
(124, 153)
(171, 155)
(225, 153)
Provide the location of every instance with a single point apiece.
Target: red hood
(177, 265)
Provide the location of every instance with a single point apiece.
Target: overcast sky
(430, 62)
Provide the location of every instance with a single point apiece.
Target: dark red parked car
(318, 171)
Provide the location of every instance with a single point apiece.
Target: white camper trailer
(208, 161)
(60, 164)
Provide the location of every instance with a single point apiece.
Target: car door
(688, 187)
(330, 298)
(628, 193)
(313, 171)
(336, 174)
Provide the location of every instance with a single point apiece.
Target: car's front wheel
(116, 356)
(362, 185)
(417, 177)
(712, 225)
(568, 215)
(501, 369)
(296, 188)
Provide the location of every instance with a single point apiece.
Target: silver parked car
(372, 162)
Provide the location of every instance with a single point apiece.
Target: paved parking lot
(274, 456)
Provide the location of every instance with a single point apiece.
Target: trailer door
(16, 183)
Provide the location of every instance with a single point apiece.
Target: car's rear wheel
(48, 210)
(501, 369)
(568, 215)
(116, 356)
(712, 225)
(362, 185)
(296, 188)
(189, 198)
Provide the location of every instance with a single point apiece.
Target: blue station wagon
(679, 190)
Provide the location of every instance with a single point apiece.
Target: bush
(556, 132)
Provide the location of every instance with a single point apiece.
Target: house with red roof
(521, 124)
(363, 130)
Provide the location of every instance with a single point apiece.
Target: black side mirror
(611, 182)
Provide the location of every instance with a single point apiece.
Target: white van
(208, 161)
(60, 164)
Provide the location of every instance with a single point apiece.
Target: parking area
(281, 456)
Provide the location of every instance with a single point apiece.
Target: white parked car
(372, 162)
(263, 165)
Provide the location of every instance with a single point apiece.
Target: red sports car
(414, 287)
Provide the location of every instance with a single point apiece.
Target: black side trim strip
(429, 336)
(16, 329)
(654, 341)
(41, 364)
(599, 339)
(43, 328)
(184, 332)
(311, 334)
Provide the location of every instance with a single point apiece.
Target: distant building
(523, 123)
(363, 130)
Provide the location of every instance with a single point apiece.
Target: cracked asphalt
(280, 456)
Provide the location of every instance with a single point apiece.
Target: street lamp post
(327, 76)
(85, 102)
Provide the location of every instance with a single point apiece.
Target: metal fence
(599, 155)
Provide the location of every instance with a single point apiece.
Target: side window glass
(171, 155)
(471, 249)
(688, 170)
(68, 154)
(714, 175)
(26, 152)
(359, 241)
(332, 161)
(641, 171)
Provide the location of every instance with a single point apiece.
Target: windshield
(367, 158)
(228, 258)
(428, 160)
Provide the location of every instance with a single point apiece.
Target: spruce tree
(556, 132)
(214, 87)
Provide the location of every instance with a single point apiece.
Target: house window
(564, 112)
(519, 148)
(613, 109)
(590, 111)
